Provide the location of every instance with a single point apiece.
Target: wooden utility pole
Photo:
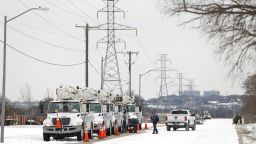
(86, 28)
(130, 70)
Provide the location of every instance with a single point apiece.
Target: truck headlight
(46, 124)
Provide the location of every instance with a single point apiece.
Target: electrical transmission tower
(111, 74)
(163, 77)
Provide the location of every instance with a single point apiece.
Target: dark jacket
(154, 119)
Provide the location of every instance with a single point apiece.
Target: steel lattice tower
(111, 74)
(163, 84)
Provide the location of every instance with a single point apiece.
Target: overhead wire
(94, 68)
(45, 42)
(42, 61)
(48, 22)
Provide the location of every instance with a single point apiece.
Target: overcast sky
(48, 35)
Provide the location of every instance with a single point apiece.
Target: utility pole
(101, 74)
(87, 28)
(130, 53)
(180, 84)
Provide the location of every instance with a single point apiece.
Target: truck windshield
(130, 108)
(69, 107)
(179, 112)
(95, 107)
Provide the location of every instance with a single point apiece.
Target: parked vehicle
(199, 119)
(207, 115)
(64, 116)
(180, 118)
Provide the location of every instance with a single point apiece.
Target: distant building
(190, 93)
(212, 93)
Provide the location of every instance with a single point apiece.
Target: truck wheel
(187, 127)
(80, 135)
(121, 127)
(46, 136)
(135, 129)
(168, 128)
(194, 128)
(90, 134)
(109, 132)
(174, 128)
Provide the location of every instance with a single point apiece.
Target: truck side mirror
(140, 109)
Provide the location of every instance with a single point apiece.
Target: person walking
(154, 120)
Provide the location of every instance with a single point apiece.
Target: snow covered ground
(215, 131)
(247, 133)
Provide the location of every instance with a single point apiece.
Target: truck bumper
(176, 124)
(65, 130)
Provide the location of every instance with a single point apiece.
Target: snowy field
(247, 133)
(215, 131)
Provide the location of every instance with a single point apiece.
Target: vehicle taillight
(186, 118)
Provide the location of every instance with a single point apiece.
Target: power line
(75, 6)
(42, 61)
(48, 22)
(63, 9)
(94, 68)
(45, 42)
(85, 1)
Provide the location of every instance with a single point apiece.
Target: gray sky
(188, 49)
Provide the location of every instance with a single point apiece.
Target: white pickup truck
(180, 118)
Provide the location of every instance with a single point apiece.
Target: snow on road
(215, 131)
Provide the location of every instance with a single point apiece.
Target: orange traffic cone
(146, 125)
(58, 123)
(104, 132)
(86, 136)
(116, 131)
(100, 133)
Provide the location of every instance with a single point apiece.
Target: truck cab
(134, 116)
(109, 118)
(92, 115)
(68, 112)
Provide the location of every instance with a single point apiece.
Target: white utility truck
(133, 112)
(64, 116)
(92, 110)
(180, 118)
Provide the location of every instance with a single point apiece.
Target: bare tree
(27, 97)
(249, 99)
(250, 85)
(232, 21)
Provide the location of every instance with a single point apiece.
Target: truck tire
(174, 128)
(187, 127)
(121, 127)
(90, 133)
(46, 136)
(194, 127)
(168, 128)
(80, 134)
(135, 129)
(109, 131)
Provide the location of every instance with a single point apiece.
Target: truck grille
(64, 121)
